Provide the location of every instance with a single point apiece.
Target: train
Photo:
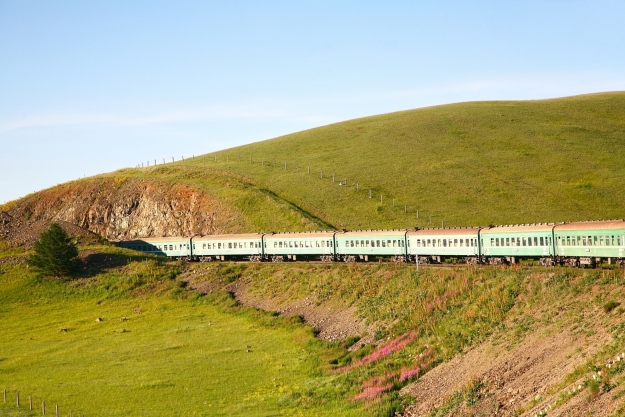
(572, 244)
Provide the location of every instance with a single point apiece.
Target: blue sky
(93, 86)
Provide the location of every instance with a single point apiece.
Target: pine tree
(55, 253)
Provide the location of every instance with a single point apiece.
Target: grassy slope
(174, 355)
(186, 355)
(464, 164)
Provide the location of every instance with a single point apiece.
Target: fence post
(57, 410)
(43, 407)
(30, 402)
(5, 395)
(18, 398)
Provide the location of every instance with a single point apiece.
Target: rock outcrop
(118, 208)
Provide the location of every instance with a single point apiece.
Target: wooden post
(30, 402)
(393, 202)
(321, 175)
(380, 198)
(43, 408)
(285, 166)
(18, 398)
(57, 410)
(5, 395)
(369, 192)
(417, 213)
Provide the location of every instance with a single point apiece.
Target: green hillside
(462, 164)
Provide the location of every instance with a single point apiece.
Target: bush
(610, 305)
(55, 254)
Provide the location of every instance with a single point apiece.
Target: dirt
(332, 323)
(116, 209)
(521, 380)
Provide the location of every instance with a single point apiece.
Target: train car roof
(592, 225)
(228, 237)
(440, 232)
(155, 239)
(299, 235)
(398, 232)
(522, 228)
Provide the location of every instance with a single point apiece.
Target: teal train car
(228, 247)
(438, 245)
(299, 246)
(509, 244)
(589, 243)
(366, 244)
(174, 247)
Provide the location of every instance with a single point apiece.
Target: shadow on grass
(96, 263)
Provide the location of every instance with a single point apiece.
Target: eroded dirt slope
(118, 209)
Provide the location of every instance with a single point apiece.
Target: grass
(461, 164)
(158, 350)
(162, 349)
(464, 164)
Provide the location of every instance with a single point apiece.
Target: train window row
(432, 243)
(589, 240)
(231, 245)
(520, 241)
(303, 244)
(374, 243)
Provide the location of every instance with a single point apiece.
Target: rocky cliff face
(117, 209)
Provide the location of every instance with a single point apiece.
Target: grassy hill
(462, 164)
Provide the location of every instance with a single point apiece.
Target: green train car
(294, 246)
(588, 243)
(508, 244)
(174, 247)
(366, 244)
(228, 247)
(437, 245)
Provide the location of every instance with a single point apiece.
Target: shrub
(55, 254)
(610, 305)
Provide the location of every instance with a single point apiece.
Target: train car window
(542, 241)
(595, 240)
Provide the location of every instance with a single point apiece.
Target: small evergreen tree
(55, 253)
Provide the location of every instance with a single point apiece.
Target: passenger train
(571, 244)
